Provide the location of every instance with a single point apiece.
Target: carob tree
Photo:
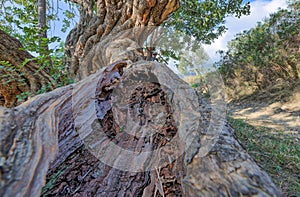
(130, 127)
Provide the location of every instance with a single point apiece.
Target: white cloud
(260, 9)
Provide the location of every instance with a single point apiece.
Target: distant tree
(193, 62)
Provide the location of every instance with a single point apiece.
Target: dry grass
(192, 79)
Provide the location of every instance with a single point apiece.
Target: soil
(279, 115)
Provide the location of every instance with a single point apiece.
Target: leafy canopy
(202, 19)
(205, 19)
(267, 41)
(195, 23)
(19, 18)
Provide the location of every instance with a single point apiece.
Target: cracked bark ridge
(17, 79)
(28, 139)
(30, 152)
(101, 19)
(101, 179)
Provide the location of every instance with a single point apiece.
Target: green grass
(276, 152)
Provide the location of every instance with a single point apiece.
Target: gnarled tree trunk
(87, 122)
(132, 128)
(87, 43)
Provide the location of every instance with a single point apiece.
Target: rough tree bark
(18, 78)
(60, 141)
(96, 27)
(29, 133)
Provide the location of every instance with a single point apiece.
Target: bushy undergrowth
(265, 56)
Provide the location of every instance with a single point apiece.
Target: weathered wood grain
(42, 144)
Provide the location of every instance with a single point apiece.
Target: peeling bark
(43, 138)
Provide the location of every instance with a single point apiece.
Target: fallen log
(127, 130)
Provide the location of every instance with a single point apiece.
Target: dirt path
(284, 116)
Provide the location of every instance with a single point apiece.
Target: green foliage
(204, 19)
(23, 96)
(19, 18)
(69, 16)
(276, 152)
(267, 53)
(11, 73)
(186, 52)
(195, 23)
(192, 62)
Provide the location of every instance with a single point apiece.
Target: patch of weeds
(195, 85)
(276, 152)
(23, 96)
